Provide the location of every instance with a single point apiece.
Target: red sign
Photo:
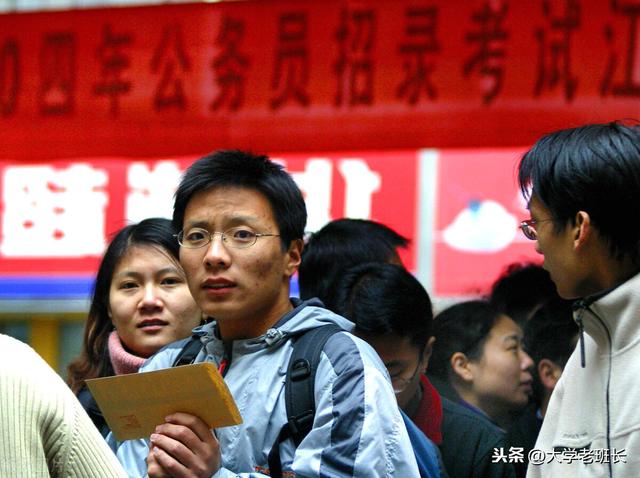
(56, 218)
(478, 211)
(305, 75)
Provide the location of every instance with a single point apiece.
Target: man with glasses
(583, 185)
(241, 220)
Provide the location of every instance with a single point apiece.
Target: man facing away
(241, 220)
(583, 185)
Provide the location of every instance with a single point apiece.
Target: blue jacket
(357, 430)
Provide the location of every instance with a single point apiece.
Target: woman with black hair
(478, 361)
(141, 302)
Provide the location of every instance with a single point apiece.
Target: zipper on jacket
(581, 333)
(584, 305)
(580, 306)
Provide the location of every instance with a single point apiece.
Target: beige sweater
(43, 429)
(597, 408)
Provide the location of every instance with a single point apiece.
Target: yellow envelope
(134, 404)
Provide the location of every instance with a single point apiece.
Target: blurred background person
(140, 303)
(521, 290)
(43, 428)
(393, 312)
(339, 245)
(478, 360)
(549, 338)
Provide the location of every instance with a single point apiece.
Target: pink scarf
(123, 362)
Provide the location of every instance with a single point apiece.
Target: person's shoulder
(9, 344)
(458, 417)
(165, 357)
(16, 357)
(343, 345)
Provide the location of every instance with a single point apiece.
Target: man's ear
(582, 229)
(460, 364)
(426, 354)
(293, 257)
(549, 373)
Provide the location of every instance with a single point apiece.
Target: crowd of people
(542, 365)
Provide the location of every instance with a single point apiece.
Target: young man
(395, 317)
(582, 185)
(241, 220)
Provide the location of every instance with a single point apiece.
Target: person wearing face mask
(141, 302)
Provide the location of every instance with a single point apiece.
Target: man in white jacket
(583, 185)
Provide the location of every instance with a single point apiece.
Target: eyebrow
(516, 337)
(164, 270)
(232, 221)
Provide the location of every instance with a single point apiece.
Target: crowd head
(392, 312)
(479, 352)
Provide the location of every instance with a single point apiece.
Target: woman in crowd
(478, 360)
(140, 303)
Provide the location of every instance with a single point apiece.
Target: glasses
(529, 230)
(236, 237)
(400, 384)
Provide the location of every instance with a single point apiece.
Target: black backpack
(298, 387)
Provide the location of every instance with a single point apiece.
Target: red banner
(56, 218)
(306, 75)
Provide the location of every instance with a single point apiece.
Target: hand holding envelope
(133, 405)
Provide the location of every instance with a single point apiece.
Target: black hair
(94, 360)
(463, 327)
(385, 299)
(593, 168)
(240, 169)
(521, 289)
(550, 334)
(340, 245)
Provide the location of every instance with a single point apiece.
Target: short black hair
(383, 299)
(550, 334)
(340, 245)
(593, 168)
(462, 327)
(521, 289)
(232, 168)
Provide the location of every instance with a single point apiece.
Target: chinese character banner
(306, 75)
(56, 218)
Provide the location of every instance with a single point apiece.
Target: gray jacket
(357, 430)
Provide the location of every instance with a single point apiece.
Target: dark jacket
(469, 440)
(523, 434)
(91, 407)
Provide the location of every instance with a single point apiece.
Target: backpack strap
(299, 390)
(189, 352)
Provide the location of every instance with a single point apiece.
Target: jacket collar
(305, 315)
(612, 317)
